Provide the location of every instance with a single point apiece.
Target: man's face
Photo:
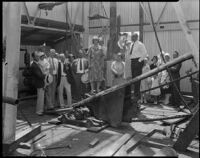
(167, 58)
(96, 42)
(175, 55)
(101, 42)
(134, 37)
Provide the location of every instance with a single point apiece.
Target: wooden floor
(69, 140)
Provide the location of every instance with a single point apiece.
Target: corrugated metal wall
(171, 37)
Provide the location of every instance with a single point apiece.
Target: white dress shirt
(62, 69)
(139, 51)
(54, 64)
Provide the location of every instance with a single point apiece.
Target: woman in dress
(167, 89)
(118, 68)
(145, 82)
(96, 65)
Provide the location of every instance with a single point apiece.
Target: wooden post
(113, 29)
(86, 24)
(187, 32)
(13, 31)
(141, 22)
(189, 133)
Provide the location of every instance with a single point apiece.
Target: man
(80, 66)
(138, 53)
(63, 82)
(38, 81)
(51, 89)
(175, 72)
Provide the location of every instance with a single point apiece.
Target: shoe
(50, 109)
(40, 113)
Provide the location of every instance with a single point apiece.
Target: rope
(176, 88)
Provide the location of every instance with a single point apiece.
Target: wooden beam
(24, 136)
(46, 28)
(161, 14)
(12, 57)
(189, 133)
(112, 149)
(138, 138)
(113, 29)
(27, 13)
(186, 31)
(141, 23)
(117, 87)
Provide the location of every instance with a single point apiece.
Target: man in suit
(63, 77)
(38, 81)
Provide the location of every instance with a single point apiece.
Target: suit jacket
(68, 70)
(37, 75)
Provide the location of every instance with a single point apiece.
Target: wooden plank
(186, 31)
(24, 136)
(166, 151)
(188, 134)
(94, 142)
(97, 129)
(138, 138)
(112, 149)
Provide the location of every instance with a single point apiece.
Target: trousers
(64, 84)
(40, 100)
(136, 70)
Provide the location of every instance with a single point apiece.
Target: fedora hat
(85, 78)
(48, 79)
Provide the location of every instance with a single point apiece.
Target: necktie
(131, 49)
(52, 63)
(80, 64)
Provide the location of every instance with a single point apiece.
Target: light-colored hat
(48, 79)
(85, 78)
(39, 54)
(52, 50)
(62, 55)
(167, 54)
(100, 38)
(95, 38)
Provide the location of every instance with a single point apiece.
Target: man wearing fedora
(38, 81)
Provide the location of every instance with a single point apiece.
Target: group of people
(132, 60)
(50, 74)
(53, 72)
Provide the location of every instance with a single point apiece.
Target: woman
(127, 74)
(154, 62)
(96, 65)
(165, 90)
(117, 68)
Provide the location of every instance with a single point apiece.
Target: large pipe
(138, 78)
(10, 100)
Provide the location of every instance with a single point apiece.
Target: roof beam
(46, 28)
